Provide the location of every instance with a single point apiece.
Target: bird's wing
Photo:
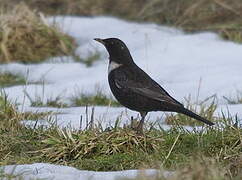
(153, 91)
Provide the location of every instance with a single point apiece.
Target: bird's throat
(112, 66)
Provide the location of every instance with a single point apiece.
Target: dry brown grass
(26, 37)
(222, 16)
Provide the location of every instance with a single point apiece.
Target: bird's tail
(195, 116)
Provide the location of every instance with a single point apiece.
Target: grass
(234, 100)
(8, 79)
(10, 118)
(8, 114)
(99, 99)
(206, 109)
(77, 99)
(26, 37)
(50, 102)
(221, 16)
(214, 151)
(35, 116)
(90, 59)
(39, 101)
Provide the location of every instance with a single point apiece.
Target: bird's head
(117, 50)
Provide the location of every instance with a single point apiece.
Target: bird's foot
(136, 126)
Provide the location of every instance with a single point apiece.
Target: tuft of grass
(56, 102)
(39, 101)
(232, 34)
(26, 37)
(68, 145)
(10, 118)
(34, 116)
(99, 99)
(236, 100)
(7, 79)
(90, 59)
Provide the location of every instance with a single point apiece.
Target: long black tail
(195, 116)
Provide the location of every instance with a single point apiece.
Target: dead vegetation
(26, 37)
(222, 16)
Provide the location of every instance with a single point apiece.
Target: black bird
(135, 89)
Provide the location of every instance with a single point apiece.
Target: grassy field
(215, 151)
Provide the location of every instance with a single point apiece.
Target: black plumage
(134, 89)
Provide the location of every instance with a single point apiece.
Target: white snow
(57, 172)
(182, 63)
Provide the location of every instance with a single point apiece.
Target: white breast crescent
(112, 66)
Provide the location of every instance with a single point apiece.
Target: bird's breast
(112, 66)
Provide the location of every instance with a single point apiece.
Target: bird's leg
(141, 123)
